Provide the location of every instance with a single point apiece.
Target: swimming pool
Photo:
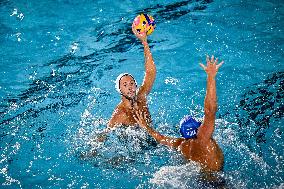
(59, 61)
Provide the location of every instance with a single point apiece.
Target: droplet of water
(74, 48)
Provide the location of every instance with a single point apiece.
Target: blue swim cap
(189, 127)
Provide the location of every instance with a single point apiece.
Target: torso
(126, 113)
(209, 155)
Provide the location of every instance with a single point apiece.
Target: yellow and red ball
(144, 22)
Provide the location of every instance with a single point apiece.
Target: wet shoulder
(118, 117)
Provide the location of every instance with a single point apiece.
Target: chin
(132, 97)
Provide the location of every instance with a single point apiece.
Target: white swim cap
(117, 87)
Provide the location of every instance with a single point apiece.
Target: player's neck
(129, 102)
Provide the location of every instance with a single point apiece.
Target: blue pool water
(58, 63)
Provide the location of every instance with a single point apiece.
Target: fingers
(138, 115)
(216, 61)
(140, 118)
(134, 30)
(202, 65)
(211, 63)
(135, 117)
(207, 59)
(145, 117)
(142, 36)
(219, 65)
(212, 59)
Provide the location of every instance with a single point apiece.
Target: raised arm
(210, 103)
(165, 140)
(150, 67)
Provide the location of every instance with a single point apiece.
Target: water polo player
(133, 98)
(197, 143)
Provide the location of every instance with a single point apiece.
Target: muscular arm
(116, 119)
(112, 123)
(165, 140)
(210, 108)
(210, 103)
(150, 68)
(150, 71)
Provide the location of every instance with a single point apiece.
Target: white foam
(176, 176)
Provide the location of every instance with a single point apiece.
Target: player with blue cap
(189, 127)
(196, 143)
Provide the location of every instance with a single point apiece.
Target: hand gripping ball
(144, 22)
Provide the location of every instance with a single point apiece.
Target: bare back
(208, 154)
(203, 148)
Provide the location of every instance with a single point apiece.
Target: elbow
(151, 69)
(111, 124)
(210, 110)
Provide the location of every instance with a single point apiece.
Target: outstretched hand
(140, 35)
(212, 66)
(141, 119)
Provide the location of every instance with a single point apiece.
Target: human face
(127, 86)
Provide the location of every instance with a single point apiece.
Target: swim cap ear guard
(189, 127)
